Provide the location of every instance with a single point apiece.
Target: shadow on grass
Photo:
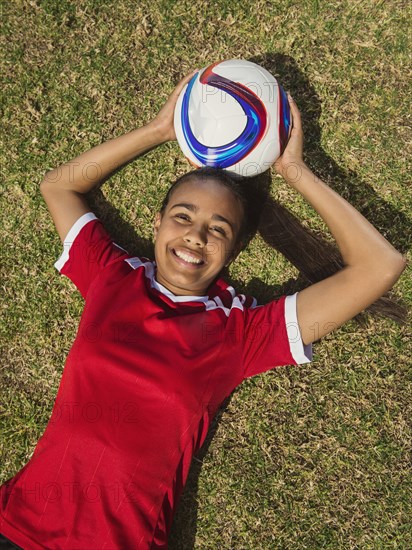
(315, 257)
(394, 225)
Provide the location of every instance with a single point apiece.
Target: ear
(156, 224)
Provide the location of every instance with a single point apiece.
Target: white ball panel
(218, 102)
(228, 129)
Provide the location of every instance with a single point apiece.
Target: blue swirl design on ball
(229, 154)
(284, 119)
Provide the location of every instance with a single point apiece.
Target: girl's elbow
(381, 277)
(395, 267)
(48, 179)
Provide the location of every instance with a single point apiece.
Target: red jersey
(140, 387)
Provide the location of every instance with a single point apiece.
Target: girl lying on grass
(162, 343)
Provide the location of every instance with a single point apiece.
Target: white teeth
(187, 258)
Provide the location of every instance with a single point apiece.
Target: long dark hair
(314, 257)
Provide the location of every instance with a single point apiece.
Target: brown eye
(219, 230)
(183, 217)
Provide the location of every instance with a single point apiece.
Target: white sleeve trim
(71, 236)
(301, 353)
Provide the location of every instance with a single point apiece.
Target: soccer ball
(233, 115)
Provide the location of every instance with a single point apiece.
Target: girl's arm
(372, 264)
(63, 188)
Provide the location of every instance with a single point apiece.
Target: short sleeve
(87, 249)
(272, 337)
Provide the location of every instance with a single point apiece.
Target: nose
(195, 236)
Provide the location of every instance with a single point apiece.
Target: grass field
(308, 457)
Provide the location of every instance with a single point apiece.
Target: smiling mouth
(187, 258)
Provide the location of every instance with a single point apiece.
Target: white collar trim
(149, 268)
(175, 298)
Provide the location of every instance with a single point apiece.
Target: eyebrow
(194, 208)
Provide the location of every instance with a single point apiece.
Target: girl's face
(196, 236)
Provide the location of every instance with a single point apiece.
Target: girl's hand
(163, 122)
(289, 164)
